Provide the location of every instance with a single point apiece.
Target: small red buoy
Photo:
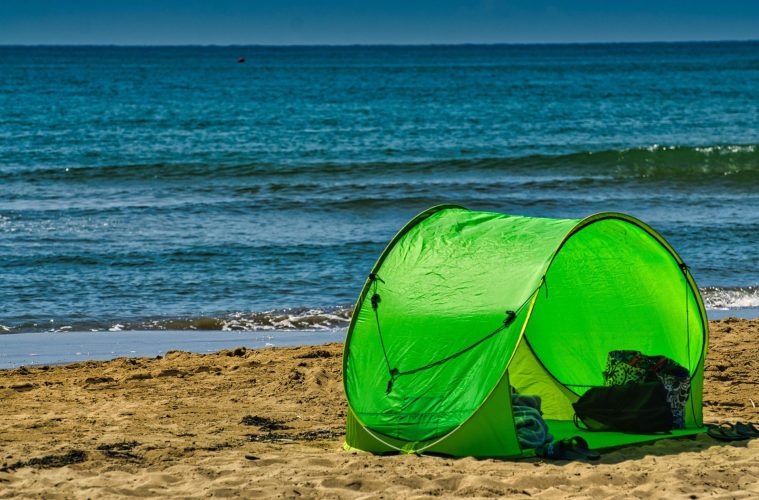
(240, 60)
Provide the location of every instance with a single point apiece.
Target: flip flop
(575, 448)
(748, 429)
(553, 450)
(724, 432)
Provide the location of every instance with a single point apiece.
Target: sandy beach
(270, 422)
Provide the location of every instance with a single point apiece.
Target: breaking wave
(737, 162)
(722, 299)
(313, 319)
(302, 319)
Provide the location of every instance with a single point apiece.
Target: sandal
(725, 432)
(578, 449)
(575, 448)
(748, 429)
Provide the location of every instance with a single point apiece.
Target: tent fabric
(463, 305)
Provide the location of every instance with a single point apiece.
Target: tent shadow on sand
(664, 448)
(463, 306)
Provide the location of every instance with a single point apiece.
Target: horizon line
(388, 44)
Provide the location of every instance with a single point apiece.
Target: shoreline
(56, 348)
(61, 347)
(269, 422)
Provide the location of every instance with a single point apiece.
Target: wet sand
(269, 422)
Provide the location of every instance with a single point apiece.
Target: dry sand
(270, 423)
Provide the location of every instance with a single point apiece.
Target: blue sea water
(174, 188)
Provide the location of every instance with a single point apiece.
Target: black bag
(636, 408)
(625, 367)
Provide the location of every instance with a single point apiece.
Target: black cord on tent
(510, 316)
(685, 269)
(375, 304)
(395, 372)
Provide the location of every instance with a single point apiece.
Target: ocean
(174, 188)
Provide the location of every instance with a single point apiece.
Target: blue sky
(370, 22)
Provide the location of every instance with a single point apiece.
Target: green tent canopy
(462, 305)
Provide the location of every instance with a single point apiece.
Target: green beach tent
(462, 305)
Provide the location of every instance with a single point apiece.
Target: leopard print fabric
(620, 370)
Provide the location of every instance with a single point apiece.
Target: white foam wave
(748, 148)
(326, 319)
(721, 299)
(289, 319)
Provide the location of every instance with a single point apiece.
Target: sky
(317, 22)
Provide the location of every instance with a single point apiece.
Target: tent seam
(659, 239)
(362, 296)
(504, 374)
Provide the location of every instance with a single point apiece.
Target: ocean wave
(722, 299)
(283, 319)
(733, 162)
(312, 319)
(299, 318)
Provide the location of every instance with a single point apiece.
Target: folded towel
(521, 400)
(532, 430)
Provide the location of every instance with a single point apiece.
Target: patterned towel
(532, 430)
